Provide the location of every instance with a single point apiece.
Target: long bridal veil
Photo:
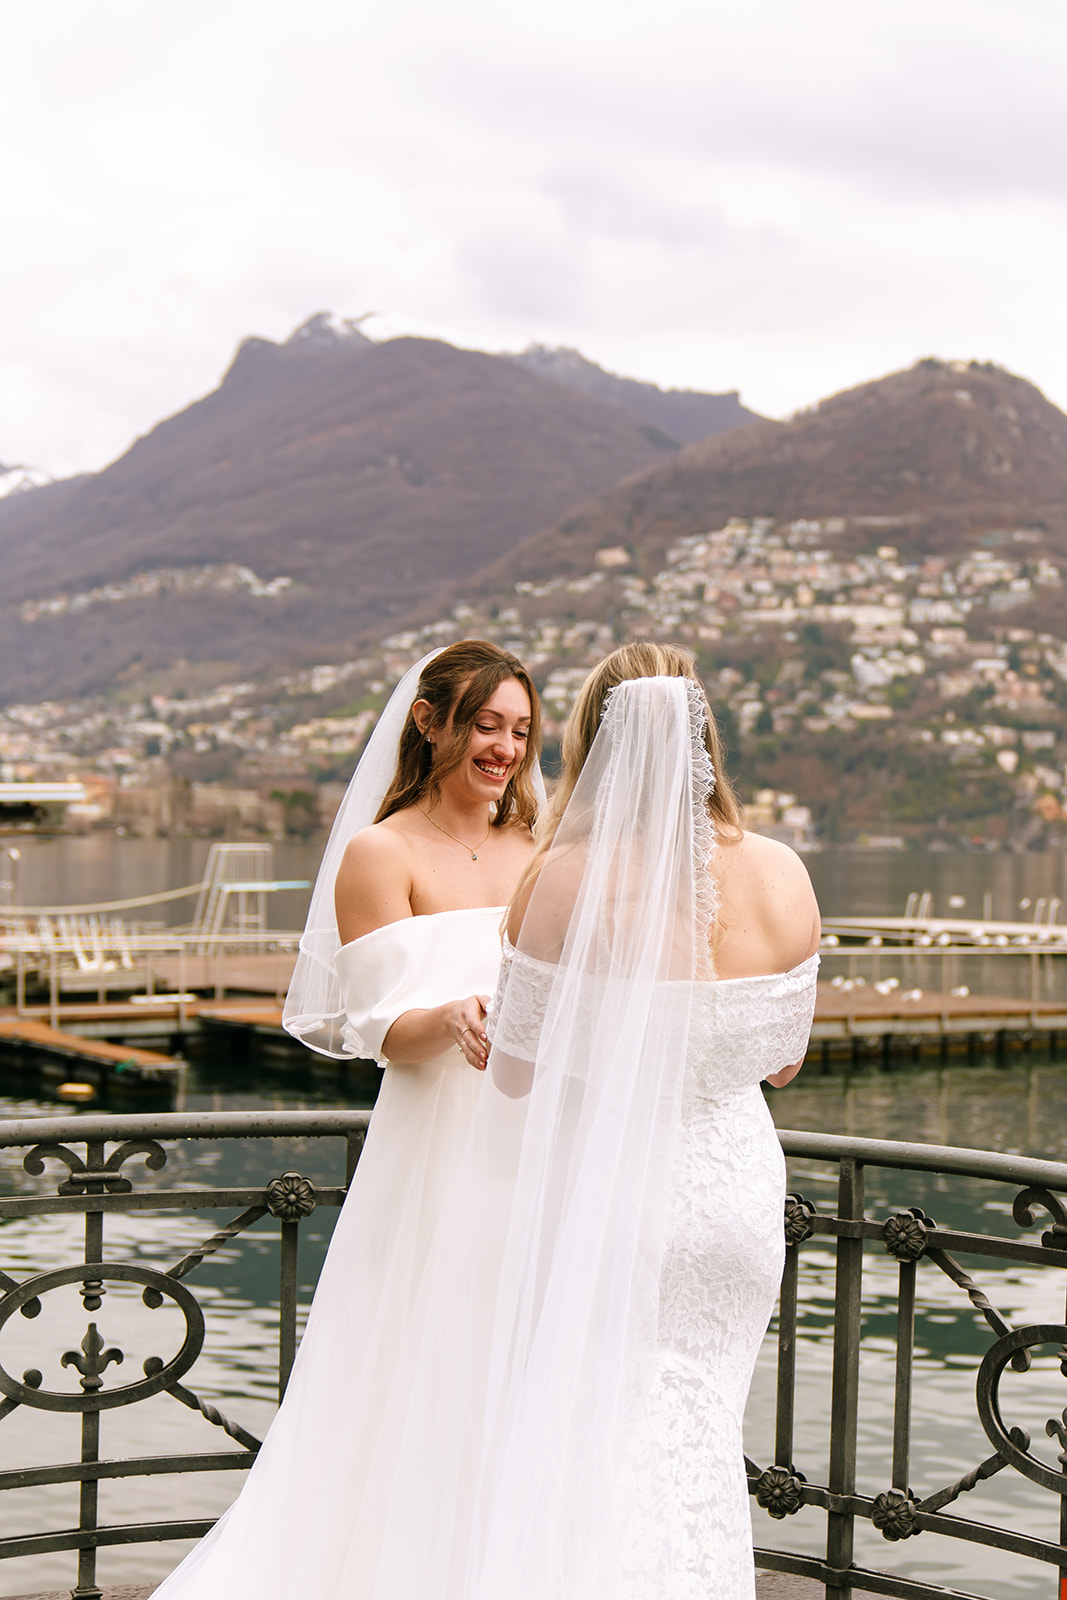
(504, 1468)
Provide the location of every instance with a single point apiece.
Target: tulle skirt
(294, 1528)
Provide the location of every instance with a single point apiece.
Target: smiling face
(474, 734)
(497, 745)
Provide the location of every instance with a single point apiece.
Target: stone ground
(769, 1586)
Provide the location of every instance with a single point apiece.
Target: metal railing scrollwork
(911, 1237)
(112, 1166)
(97, 1186)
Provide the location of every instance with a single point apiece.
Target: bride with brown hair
(397, 963)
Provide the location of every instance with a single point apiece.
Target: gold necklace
(437, 825)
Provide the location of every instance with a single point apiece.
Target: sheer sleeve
(515, 1029)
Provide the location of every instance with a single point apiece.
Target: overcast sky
(779, 197)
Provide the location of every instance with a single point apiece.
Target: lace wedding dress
(685, 1520)
(688, 1535)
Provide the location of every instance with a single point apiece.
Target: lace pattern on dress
(686, 1523)
(529, 985)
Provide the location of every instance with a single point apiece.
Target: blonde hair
(458, 682)
(641, 659)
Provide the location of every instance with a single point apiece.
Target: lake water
(1020, 1106)
(97, 867)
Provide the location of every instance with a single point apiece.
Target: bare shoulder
(768, 903)
(375, 848)
(556, 879)
(373, 884)
(770, 861)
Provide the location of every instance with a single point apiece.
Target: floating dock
(137, 1043)
(862, 1020)
(858, 1019)
(65, 1057)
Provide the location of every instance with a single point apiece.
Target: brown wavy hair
(641, 659)
(458, 682)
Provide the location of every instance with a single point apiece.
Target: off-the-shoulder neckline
(426, 916)
(752, 977)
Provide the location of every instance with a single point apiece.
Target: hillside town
(818, 659)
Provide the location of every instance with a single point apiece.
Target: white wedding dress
(688, 1531)
(296, 1528)
(525, 1369)
(292, 1529)
(684, 1513)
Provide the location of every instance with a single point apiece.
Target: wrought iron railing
(912, 1238)
(97, 1186)
(121, 1151)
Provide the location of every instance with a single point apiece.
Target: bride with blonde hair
(661, 964)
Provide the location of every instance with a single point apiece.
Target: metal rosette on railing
(798, 1220)
(780, 1491)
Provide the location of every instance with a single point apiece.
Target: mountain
(874, 593)
(931, 457)
(683, 414)
(356, 476)
(874, 589)
(333, 490)
(18, 479)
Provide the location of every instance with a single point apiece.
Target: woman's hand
(466, 1020)
(421, 1035)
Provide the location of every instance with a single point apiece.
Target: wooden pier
(71, 1057)
(114, 1040)
(862, 1018)
(913, 1020)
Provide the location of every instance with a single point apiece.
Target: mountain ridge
(939, 449)
(333, 490)
(685, 414)
(366, 473)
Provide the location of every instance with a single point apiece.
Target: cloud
(780, 199)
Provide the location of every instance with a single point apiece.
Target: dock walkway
(856, 1023)
(865, 1014)
(101, 1058)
